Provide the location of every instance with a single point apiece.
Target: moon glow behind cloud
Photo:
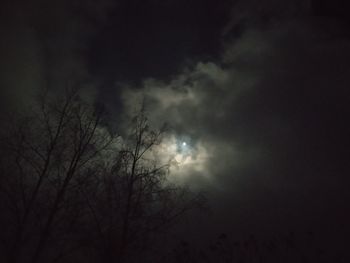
(184, 158)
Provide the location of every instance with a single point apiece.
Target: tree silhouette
(73, 190)
(134, 200)
(49, 151)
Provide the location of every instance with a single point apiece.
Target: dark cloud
(263, 105)
(258, 14)
(44, 44)
(271, 116)
(155, 38)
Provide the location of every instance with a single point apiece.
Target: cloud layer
(271, 118)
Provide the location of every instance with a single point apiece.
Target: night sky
(257, 90)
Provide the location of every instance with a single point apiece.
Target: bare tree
(69, 188)
(51, 150)
(134, 199)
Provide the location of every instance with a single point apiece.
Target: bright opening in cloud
(184, 158)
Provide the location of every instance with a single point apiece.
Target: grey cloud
(272, 117)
